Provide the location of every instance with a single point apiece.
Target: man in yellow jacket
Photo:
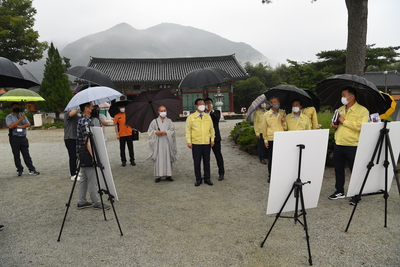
(311, 113)
(296, 121)
(352, 116)
(274, 121)
(258, 126)
(200, 138)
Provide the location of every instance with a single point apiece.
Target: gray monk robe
(162, 148)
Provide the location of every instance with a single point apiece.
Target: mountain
(165, 40)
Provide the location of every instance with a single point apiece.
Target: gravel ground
(176, 223)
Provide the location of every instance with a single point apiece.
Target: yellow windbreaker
(199, 131)
(348, 133)
(273, 124)
(258, 121)
(302, 123)
(311, 113)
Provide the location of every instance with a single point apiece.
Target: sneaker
(73, 178)
(34, 173)
(336, 195)
(353, 201)
(84, 205)
(1, 227)
(20, 173)
(98, 207)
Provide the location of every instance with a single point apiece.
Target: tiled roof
(163, 70)
(378, 78)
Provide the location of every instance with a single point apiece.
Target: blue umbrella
(255, 105)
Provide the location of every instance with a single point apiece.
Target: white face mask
(295, 109)
(344, 101)
(122, 109)
(163, 114)
(263, 105)
(201, 107)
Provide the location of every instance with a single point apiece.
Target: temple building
(131, 76)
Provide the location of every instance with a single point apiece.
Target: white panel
(285, 167)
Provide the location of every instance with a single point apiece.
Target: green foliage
(29, 116)
(243, 134)
(55, 85)
(246, 91)
(56, 123)
(239, 126)
(18, 40)
(325, 119)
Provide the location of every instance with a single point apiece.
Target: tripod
(383, 139)
(96, 163)
(298, 195)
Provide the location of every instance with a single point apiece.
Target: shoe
(158, 180)
(84, 205)
(98, 207)
(1, 227)
(169, 178)
(123, 164)
(133, 163)
(34, 173)
(198, 183)
(263, 161)
(353, 201)
(221, 177)
(208, 182)
(73, 178)
(336, 195)
(20, 173)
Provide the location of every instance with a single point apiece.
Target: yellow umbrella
(390, 100)
(21, 95)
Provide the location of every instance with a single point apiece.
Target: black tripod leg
(277, 216)
(68, 204)
(394, 163)
(305, 224)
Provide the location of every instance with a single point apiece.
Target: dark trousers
(21, 144)
(261, 149)
(70, 144)
(218, 156)
(200, 152)
(269, 155)
(341, 155)
(129, 142)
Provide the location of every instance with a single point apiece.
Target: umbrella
(91, 75)
(144, 108)
(12, 75)
(287, 94)
(391, 102)
(203, 77)
(396, 114)
(21, 95)
(314, 98)
(96, 95)
(254, 106)
(330, 92)
(114, 108)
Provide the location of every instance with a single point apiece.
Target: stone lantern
(218, 97)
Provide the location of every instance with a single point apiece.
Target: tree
(18, 40)
(376, 58)
(55, 86)
(356, 35)
(246, 91)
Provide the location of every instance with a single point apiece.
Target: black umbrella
(287, 94)
(144, 108)
(91, 75)
(12, 75)
(203, 77)
(114, 108)
(314, 98)
(330, 92)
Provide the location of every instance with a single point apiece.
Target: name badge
(19, 130)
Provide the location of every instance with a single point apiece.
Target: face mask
(276, 106)
(201, 107)
(344, 101)
(122, 110)
(263, 105)
(163, 114)
(295, 109)
(210, 105)
(16, 110)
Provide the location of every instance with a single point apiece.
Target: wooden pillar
(231, 105)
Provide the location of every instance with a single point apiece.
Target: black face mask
(16, 110)
(94, 113)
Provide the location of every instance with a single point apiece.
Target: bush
(57, 123)
(243, 134)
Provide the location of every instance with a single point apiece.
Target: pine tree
(55, 86)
